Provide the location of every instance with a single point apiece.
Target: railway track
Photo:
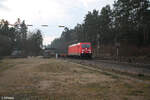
(140, 70)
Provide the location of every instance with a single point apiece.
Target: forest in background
(124, 26)
(17, 38)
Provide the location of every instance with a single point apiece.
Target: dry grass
(44, 79)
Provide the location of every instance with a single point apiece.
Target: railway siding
(135, 70)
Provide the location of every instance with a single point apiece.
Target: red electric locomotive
(80, 49)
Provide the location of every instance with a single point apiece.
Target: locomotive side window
(85, 46)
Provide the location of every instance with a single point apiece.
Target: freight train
(80, 50)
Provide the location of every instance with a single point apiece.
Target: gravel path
(121, 67)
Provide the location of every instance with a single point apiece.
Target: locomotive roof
(79, 43)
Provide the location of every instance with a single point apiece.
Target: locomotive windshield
(85, 46)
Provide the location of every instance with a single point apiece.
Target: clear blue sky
(51, 12)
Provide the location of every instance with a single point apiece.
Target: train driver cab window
(85, 46)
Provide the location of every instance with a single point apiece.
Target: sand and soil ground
(51, 79)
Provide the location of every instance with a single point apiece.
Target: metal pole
(98, 37)
(117, 51)
(56, 55)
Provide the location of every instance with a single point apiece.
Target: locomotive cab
(86, 50)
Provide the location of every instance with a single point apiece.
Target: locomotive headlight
(90, 51)
(82, 51)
